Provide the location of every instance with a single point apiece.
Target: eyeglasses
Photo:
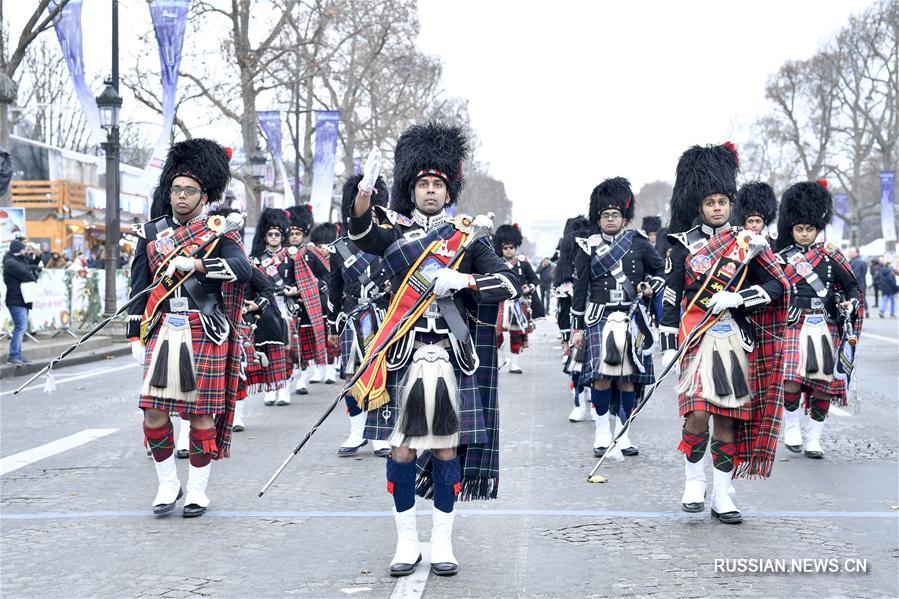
(610, 215)
(273, 234)
(189, 191)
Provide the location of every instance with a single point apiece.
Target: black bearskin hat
(350, 189)
(568, 248)
(701, 172)
(505, 235)
(754, 199)
(612, 193)
(324, 233)
(271, 218)
(433, 149)
(652, 224)
(203, 160)
(301, 217)
(805, 203)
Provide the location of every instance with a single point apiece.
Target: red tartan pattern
(293, 351)
(209, 362)
(323, 255)
(756, 436)
(273, 377)
(836, 388)
(307, 349)
(307, 284)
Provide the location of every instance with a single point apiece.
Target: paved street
(76, 518)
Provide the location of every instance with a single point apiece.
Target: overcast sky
(564, 94)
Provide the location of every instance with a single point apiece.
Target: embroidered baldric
(370, 391)
(801, 266)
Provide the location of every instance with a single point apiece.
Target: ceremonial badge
(216, 223)
(292, 250)
(804, 268)
(164, 246)
(700, 264)
(271, 271)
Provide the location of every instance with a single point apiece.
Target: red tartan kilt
(695, 401)
(271, 378)
(307, 344)
(293, 354)
(834, 388)
(210, 361)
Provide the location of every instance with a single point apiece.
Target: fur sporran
(615, 357)
(816, 361)
(171, 374)
(720, 368)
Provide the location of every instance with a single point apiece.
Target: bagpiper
(273, 257)
(618, 271)
(434, 390)
(724, 298)
(755, 208)
(321, 247)
(184, 332)
(515, 316)
(825, 305)
(358, 299)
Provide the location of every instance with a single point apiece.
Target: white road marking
(30, 456)
(881, 338)
(412, 586)
(837, 411)
(352, 590)
(38, 384)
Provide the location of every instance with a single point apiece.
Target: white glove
(370, 171)
(667, 357)
(137, 351)
(448, 280)
(182, 263)
(235, 221)
(758, 240)
(483, 220)
(723, 300)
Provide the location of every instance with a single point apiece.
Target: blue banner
(169, 20)
(67, 25)
(270, 123)
(326, 122)
(887, 205)
(838, 226)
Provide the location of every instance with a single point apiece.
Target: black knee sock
(401, 484)
(447, 482)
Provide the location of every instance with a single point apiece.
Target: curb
(92, 356)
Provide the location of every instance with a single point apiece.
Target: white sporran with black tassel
(720, 367)
(171, 374)
(614, 359)
(429, 412)
(816, 361)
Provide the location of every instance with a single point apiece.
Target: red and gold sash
(160, 252)
(370, 391)
(727, 259)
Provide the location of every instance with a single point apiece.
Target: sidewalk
(99, 347)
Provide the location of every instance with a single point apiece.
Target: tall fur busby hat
(204, 161)
(702, 171)
(433, 149)
(271, 218)
(574, 228)
(324, 233)
(652, 224)
(505, 235)
(351, 187)
(301, 217)
(754, 199)
(612, 193)
(804, 203)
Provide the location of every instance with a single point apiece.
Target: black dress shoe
(795, 448)
(397, 570)
(598, 452)
(630, 451)
(815, 455)
(728, 517)
(693, 508)
(237, 428)
(193, 510)
(383, 453)
(182, 454)
(444, 569)
(164, 508)
(302, 391)
(345, 452)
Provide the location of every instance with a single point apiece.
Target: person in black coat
(17, 269)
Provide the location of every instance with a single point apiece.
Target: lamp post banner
(67, 25)
(838, 226)
(887, 205)
(326, 122)
(270, 123)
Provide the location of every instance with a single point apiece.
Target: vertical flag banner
(67, 25)
(326, 122)
(270, 123)
(169, 22)
(887, 202)
(837, 229)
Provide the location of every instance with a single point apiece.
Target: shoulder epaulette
(393, 217)
(641, 233)
(141, 229)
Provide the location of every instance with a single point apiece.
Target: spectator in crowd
(17, 269)
(545, 274)
(888, 288)
(860, 270)
(56, 261)
(876, 266)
